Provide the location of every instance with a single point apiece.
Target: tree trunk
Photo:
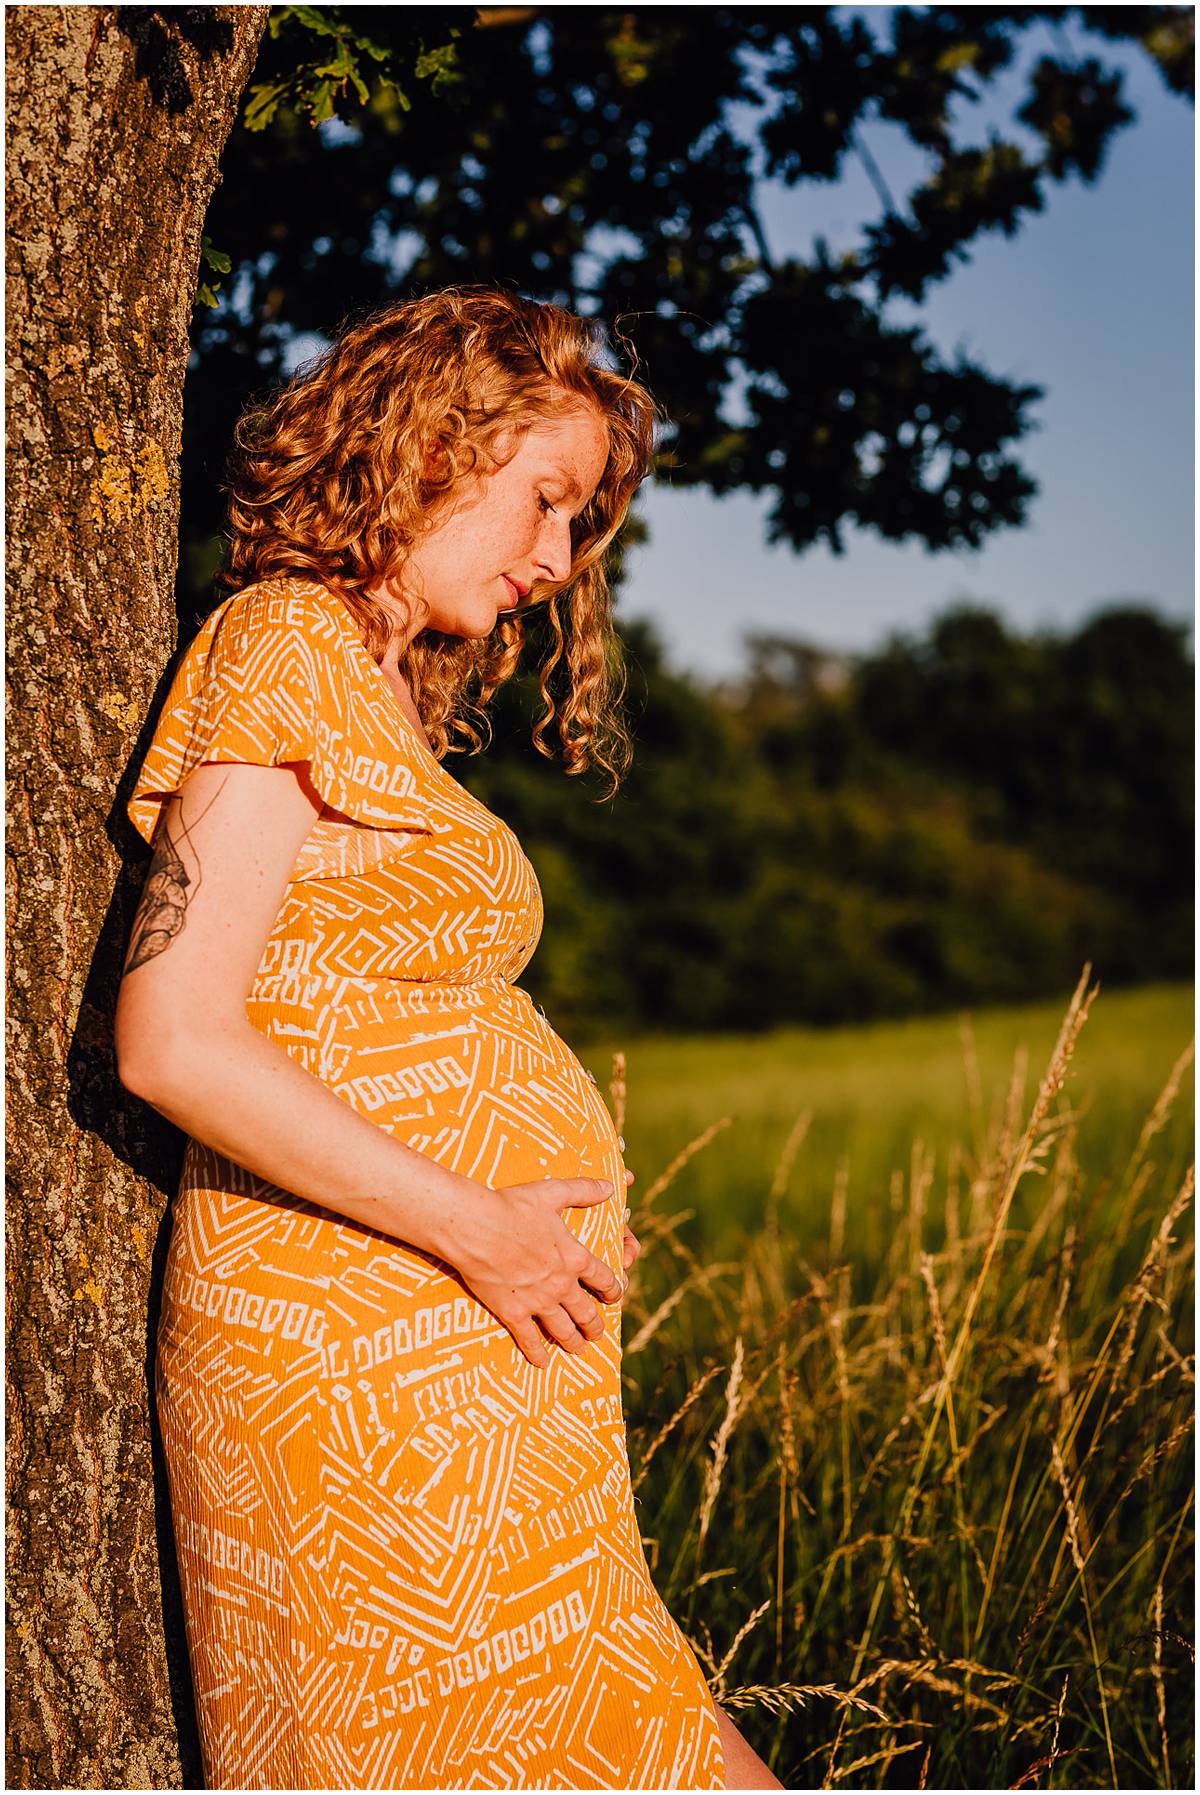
(117, 117)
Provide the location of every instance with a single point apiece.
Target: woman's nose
(555, 548)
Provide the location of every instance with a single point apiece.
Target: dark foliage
(963, 817)
(612, 159)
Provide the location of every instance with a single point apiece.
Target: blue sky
(1092, 300)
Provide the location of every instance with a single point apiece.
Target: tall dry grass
(927, 1516)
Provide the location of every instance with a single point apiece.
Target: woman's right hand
(524, 1264)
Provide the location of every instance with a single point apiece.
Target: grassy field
(909, 1385)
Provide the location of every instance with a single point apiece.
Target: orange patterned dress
(409, 1557)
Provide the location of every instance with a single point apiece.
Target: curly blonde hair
(334, 476)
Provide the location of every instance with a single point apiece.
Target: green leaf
(312, 18)
(214, 258)
(262, 106)
(340, 64)
(315, 85)
(206, 295)
(440, 66)
(379, 51)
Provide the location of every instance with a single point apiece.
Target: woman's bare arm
(222, 856)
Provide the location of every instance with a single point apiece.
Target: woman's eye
(543, 501)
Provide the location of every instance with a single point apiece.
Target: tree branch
(875, 174)
(488, 16)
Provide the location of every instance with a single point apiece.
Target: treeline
(961, 817)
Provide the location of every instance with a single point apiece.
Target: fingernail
(625, 1215)
(621, 1142)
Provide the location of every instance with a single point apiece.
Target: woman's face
(506, 529)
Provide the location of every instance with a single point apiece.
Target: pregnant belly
(474, 1077)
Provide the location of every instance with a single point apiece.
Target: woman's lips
(515, 591)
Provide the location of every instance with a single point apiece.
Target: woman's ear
(435, 469)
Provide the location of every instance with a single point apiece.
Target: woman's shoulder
(279, 641)
(278, 674)
(283, 607)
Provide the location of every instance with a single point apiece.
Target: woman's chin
(473, 626)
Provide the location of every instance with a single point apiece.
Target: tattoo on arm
(162, 911)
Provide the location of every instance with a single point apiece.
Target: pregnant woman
(388, 1363)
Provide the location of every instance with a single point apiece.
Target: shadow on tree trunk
(152, 1149)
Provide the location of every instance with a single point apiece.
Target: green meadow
(874, 1090)
(909, 1385)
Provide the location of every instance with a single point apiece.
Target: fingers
(584, 1313)
(575, 1193)
(602, 1279)
(560, 1327)
(575, 1322)
(530, 1341)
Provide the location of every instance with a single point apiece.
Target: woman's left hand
(630, 1247)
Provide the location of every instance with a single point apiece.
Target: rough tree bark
(117, 117)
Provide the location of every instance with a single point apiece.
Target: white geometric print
(409, 1557)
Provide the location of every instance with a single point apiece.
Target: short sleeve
(269, 680)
